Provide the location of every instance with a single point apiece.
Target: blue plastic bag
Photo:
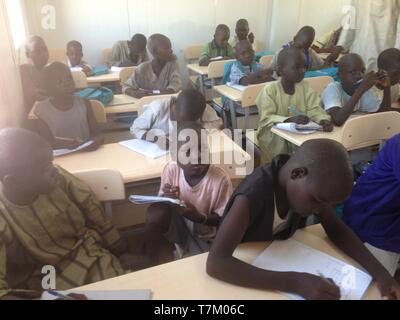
(102, 94)
(100, 70)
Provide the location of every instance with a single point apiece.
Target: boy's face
(294, 69)
(38, 53)
(75, 55)
(61, 83)
(351, 73)
(135, 50)
(222, 38)
(242, 32)
(394, 75)
(245, 55)
(190, 157)
(303, 41)
(164, 51)
(39, 178)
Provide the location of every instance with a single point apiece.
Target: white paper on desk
(236, 86)
(293, 256)
(150, 200)
(291, 127)
(216, 58)
(64, 152)
(76, 69)
(145, 148)
(116, 69)
(124, 295)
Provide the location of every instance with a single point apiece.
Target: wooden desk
(326, 55)
(122, 99)
(135, 167)
(121, 104)
(229, 92)
(252, 136)
(105, 78)
(202, 72)
(187, 279)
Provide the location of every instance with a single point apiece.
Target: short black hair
(190, 104)
(242, 22)
(348, 60)
(287, 54)
(31, 40)
(140, 40)
(389, 59)
(307, 30)
(222, 28)
(50, 69)
(156, 39)
(74, 44)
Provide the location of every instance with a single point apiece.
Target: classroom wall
(98, 23)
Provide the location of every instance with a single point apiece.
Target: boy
(157, 116)
(373, 211)
(219, 48)
(245, 71)
(273, 202)
(288, 100)
(49, 217)
(159, 76)
(129, 53)
(203, 188)
(243, 33)
(64, 120)
(303, 41)
(389, 61)
(31, 74)
(75, 61)
(354, 92)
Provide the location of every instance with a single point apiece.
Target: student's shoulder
(171, 169)
(333, 88)
(218, 173)
(143, 67)
(159, 106)
(67, 179)
(259, 181)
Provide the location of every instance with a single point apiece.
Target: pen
(59, 295)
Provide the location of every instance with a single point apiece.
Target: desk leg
(232, 109)
(202, 88)
(246, 118)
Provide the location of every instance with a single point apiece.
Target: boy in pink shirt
(204, 190)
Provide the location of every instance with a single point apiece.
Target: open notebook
(106, 295)
(150, 200)
(293, 256)
(64, 152)
(309, 128)
(145, 148)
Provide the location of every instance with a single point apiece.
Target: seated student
(31, 74)
(373, 211)
(273, 202)
(291, 99)
(75, 55)
(157, 116)
(328, 42)
(218, 48)
(245, 71)
(354, 91)
(243, 33)
(129, 53)
(65, 121)
(389, 61)
(158, 76)
(303, 41)
(49, 217)
(203, 188)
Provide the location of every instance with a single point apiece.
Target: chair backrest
(319, 83)
(106, 56)
(126, 73)
(192, 52)
(106, 184)
(372, 129)
(147, 100)
(98, 111)
(216, 69)
(80, 79)
(59, 55)
(250, 94)
(266, 60)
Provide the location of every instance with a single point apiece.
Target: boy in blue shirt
(373, 211)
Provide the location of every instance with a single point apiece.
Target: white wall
(99, 23)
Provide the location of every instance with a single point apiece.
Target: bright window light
(16, 22)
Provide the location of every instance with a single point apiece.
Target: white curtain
(11, 98)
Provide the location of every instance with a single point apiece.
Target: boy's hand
(383, 80)
(86, 70)
(327, 125)
(300, 119)
(251, 37)
(370, 80)
(171, 192)
(313, 287)
(389, 288)
(191, 213)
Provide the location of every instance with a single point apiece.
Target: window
(16, 22)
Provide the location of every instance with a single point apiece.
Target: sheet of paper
(293, 256)
(149, 200)
(292, 127)
(216, 58)
(236, 86)
(76, 69)
(107, 295)
(115, 69)
(64, 152)
(145, 148)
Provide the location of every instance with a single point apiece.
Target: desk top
(110, 77)
(203, 71)
(135, 167)
(122, 99)
(229, 92)
(187, 279)
(125, 108)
